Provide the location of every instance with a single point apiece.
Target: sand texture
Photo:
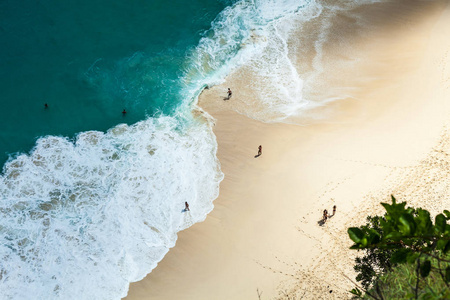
(387, 135)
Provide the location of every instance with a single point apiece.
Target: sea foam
(81, 219)
(263, 37)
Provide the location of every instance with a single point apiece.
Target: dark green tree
(375, 261)
(408, 236)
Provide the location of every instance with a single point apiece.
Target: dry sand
(263, 233)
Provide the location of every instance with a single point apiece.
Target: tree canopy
(403, 236)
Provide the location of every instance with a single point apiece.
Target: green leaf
(447, 230)
(355, 234)
(393, 199)
(374, 236)
(356, 292)
(407, 225)
(364, 242)
(447, 214)
(425, 268)
(394, 235)
(387, 207)
(441, 221)
(423, 221)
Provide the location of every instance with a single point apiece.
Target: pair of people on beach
(326, 215)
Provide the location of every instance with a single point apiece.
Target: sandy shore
(389, 137)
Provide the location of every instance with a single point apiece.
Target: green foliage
(400, 282)
(357, 292)
(405, 239)
(374, 261)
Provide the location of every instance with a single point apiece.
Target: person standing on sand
(229, 94)
(334, 210)
(325, 215)
(259, 151)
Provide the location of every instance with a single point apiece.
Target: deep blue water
(89, 60)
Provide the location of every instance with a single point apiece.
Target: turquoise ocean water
(91, 200)
(89, 60)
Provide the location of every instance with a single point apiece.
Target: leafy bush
(406, 237)
(400, 283)
(375, 261)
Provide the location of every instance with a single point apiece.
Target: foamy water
(85, 218)
(81, 219)
(267, 66)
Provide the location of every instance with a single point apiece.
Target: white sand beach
(390, 135)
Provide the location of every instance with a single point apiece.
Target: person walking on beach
(259, 151)
(229, 94)
(186, 206)
(334, 210)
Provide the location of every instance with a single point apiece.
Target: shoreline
(263, 233)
